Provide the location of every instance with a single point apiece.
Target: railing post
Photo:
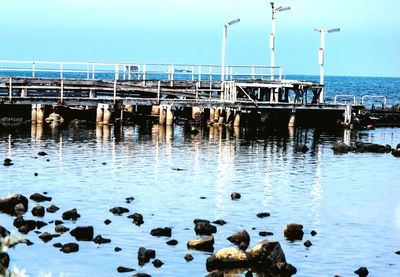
(93, 71)
(192, 73)
(210, 73)
(116, 72)
(144, 72)
(87, 71)
(10, 89)
(199, 73)
(61, 70)
(33, 69)
(158, 92)
(62, 90)
(115, 90)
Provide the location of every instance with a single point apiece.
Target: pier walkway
(120, 86)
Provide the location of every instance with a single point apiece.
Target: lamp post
(272, 35)
(224, 37)
(321, 57)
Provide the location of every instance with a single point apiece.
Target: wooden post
(195, 112)
(107, 114)
(24, 92)
(170, 116)
(292, 120)
(99, 113)
(212, 114)
(39, 114)
(33, 114)
(162, 116)
(236, 120)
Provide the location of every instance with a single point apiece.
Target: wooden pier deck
(246, 90)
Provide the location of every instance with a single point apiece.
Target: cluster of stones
(365, 147)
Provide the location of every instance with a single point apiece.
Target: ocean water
(351, 200)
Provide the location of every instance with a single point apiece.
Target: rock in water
(37, 197)
(267, 253)
(228, 258)
(293, 231)
(161, 232)
(202, 244)
(240, 237)
(362, 272)
(71, 215)
(70, 248)
(83, 233)
(10, 203)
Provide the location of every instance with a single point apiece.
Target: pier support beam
(212, 114)
(24, 92)
(162, 116)
(292, 119)
(103, 114)
(236, 119)
(37, 114)
(170, 116)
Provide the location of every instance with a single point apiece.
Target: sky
(190, 31)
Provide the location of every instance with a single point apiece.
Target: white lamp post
(272, 35)
(321, 58)
(224, 37)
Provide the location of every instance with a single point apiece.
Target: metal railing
(373, 99)
(345, 99)
(134, 71)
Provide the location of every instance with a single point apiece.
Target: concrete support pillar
(155, 110)
(162, 116)
(292, 120)
(236, 119)
(99, 114)
(212, 114)
(221, 116)
(107, 114)
(92, 94)
(33, 114)
(39, 114)
(196, 112)
(170, 117)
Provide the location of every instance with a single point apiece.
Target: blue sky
(190, 31)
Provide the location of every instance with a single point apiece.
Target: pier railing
(135, 71)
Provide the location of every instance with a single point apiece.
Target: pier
(114, 90)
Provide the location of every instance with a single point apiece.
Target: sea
(174, 176)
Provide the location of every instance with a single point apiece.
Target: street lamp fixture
(321, 57)
(224, 38)
(272, 35)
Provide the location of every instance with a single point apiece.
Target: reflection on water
(177, 176)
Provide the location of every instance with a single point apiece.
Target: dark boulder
(172, 242)
(188, 257)
(284, 269)
(139, 274)
(265, 234)
(137, 218)
(219, 222)
(8, 204)
(266, 254)
(107, 222)
(235, 195)
(202, 244)
(7, 162)
(161, 232)
(372, 147)
(144, 255)
(46, 237)
(84, 233)
(240, 237)
(4, 232)
(263, 215)
(52, 209)
(119, 210)
(204, 228)
(228, 258)
(117, 249)
(57, 245)
(40, 224)
(341, 147)
(38, 211)
(293, 231)
(396, 153)
(122, 269)
(61, 229)
(100, 240)
(71, 215)
(307, 243)
(70, 248)
(4, 260)
(313, 233)
(362, 272)
(157, 263)
(37, 197)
